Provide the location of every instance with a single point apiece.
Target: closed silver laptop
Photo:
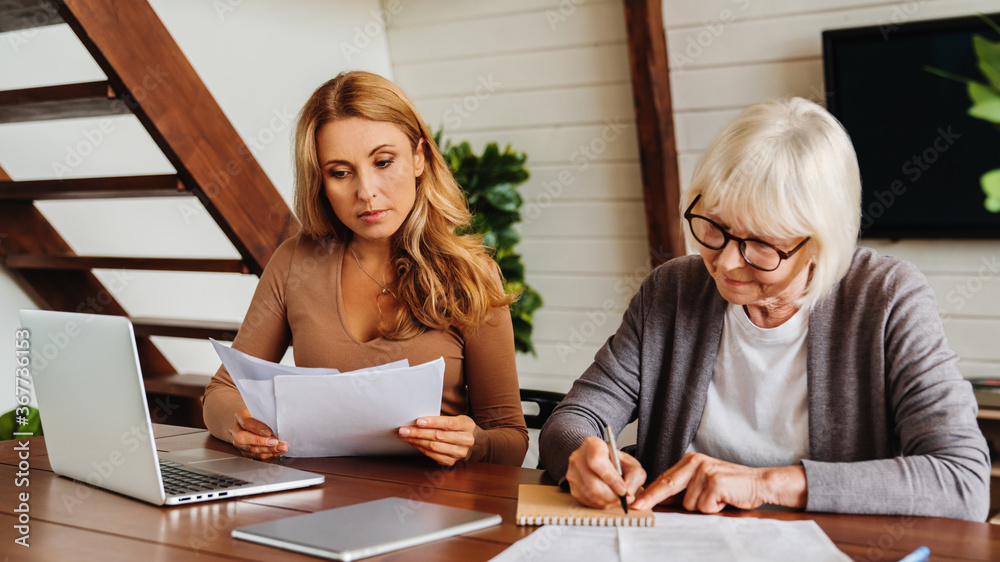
(87, 382)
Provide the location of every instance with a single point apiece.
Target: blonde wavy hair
(786, 168)
(443, 279)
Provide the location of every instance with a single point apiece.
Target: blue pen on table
(919, 555)
(615, 461)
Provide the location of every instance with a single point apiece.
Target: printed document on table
(679, 536)
(322, 412)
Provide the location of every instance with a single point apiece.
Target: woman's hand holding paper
(254, 439)
(594, 481)
(446, 439)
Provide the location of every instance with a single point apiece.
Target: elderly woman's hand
(446, 439)
(593, 479)
(712, 484)
(254, 439)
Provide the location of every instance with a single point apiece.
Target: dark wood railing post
(654, 118)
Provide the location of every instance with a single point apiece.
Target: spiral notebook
(548, 505)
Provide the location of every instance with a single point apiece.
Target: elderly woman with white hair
(784, 364)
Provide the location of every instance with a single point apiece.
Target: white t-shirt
(757, 412)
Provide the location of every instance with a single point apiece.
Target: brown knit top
(299, 298)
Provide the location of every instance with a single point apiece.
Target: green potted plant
(490, 183)
(15, 423)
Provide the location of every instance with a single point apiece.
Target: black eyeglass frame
(740, 242)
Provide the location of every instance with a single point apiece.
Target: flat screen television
(922, 156)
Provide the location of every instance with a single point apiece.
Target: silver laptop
(88, 385)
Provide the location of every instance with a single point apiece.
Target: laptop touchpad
(245, 469)
(232, 465)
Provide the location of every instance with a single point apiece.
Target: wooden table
(72, 521)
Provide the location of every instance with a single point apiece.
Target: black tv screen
(922, 156)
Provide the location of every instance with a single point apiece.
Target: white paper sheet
(679, 536)
(323, 412)
(356, 413)
(254, 377)
(555, 543)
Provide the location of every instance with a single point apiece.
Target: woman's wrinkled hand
(709, 485)
(593, 479)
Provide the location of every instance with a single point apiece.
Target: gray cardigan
(892, 423)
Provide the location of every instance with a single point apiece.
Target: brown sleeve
(494, 395)
(264, 334)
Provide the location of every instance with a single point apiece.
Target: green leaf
(992, 74)
(530, 301)
(504, 197)
(948, 75)
(494, 219)
(490, 153)
(511, 287)
(979, 92)
(991, 183)
(512, 268)
(490, 239)
(988, 110)
(522, 336)
(988, 53)
(507, 238)
(991, 187)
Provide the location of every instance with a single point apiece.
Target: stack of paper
(326, 413)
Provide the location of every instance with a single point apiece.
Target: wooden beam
(654, 118)
(86, 263)
(4, 176)
(94, 188)
(64, 101)
(24, 230)
(148, 69)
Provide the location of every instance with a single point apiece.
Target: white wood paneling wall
(728, 54)
(553, 81)
(552, 78)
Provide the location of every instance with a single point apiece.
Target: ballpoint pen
(615, 461)
(919, 555)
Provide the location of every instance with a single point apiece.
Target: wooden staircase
(148, 76)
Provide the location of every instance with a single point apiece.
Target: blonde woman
(378, 274)
(783, 364)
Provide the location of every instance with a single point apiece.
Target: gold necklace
(385, 290)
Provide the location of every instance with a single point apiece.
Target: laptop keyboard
(180, 480)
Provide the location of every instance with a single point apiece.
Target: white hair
(786, 169)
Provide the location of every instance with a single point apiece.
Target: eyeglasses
(757, 253)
